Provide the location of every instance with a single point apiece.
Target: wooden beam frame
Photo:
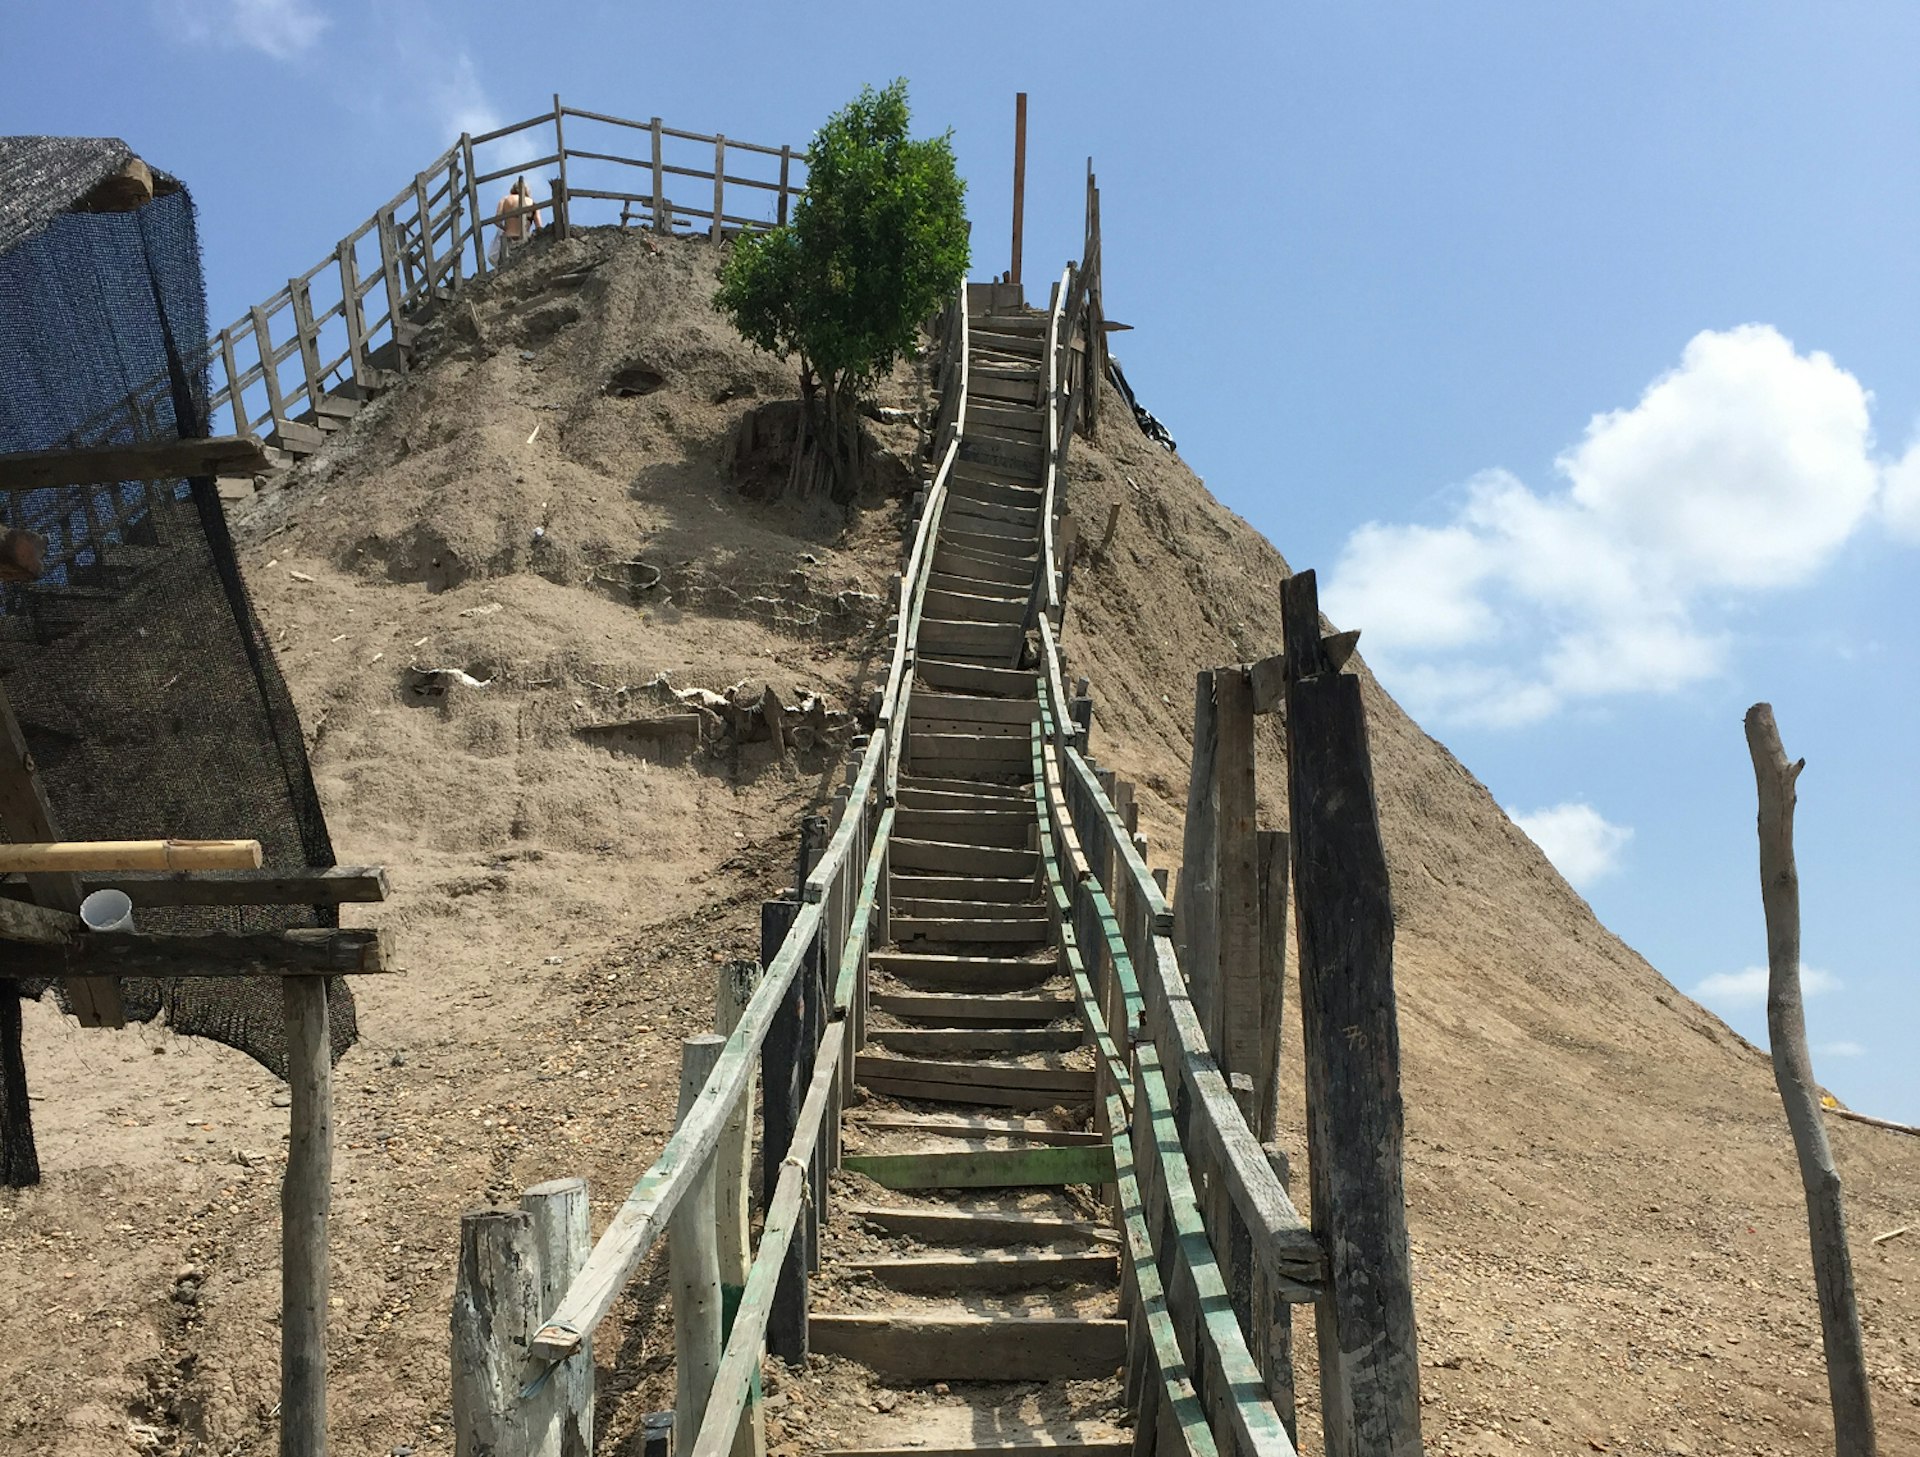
(150, 460)
(51, 943)
(331, 885)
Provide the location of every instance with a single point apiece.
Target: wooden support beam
(306, 1197)
(1236, 871)
(332, 885)
(560, 1412)
(303, 952)
(496, 1308)
(988, 1168)
(74, 856)
(733, 991)
(1197, 909)
(1350, 1040)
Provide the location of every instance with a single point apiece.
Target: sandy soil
(1608, 1233)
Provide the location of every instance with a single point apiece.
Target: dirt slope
(1609, 1234)
(1609, 1243)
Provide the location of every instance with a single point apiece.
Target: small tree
(876, 244)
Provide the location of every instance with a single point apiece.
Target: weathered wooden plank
(934, 1225)
(295, 953)
(1012, 828)
(948, 606)
(1236, 877)
(1274, 871)
(918, 909)
(933, 753)
(987, 1272)
(973, 677)
(933, 855)
(1197, 910)
(1047, 1166)
(998, 639)
(149, 460)
(1061, 1080)
(945, 1009)
(975, 1348)
(322, 886)
(909, 928)
(306, 1198)
(1007, 786)
(933, 1125)
(907, 886)
(985, 1095)
(1350, 1040)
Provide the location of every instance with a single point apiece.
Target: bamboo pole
(694, 1261)
(76, 856)
(1793, 1072)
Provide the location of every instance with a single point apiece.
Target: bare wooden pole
(732, 1161)
(305, 1197)
(496, 1310)
(1236, 870)
(1197, 908)
(1019, 180)
(1793, 1072)
(1350, 1045)
(559, 1415)
(694, 1261)
(1273, 876)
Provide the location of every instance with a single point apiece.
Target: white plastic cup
(107, 910)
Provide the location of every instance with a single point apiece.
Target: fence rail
(295, 366)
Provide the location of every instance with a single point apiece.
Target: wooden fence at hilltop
(299, 364)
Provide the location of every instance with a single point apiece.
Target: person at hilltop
(517, 224)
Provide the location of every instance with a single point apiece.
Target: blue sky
(1575, 344)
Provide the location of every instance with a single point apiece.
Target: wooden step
(973, 1347)
(1063, 1083)
(918, 798)
(1032, 420)
(968, 827)
(968, 1227)
(956, 1009)
(1014, 574)
(991, 550)
(1010, 610)
(962, 507)
(959, 887)
(971, 930)
(974, 1041)
(965, 973)
(960, 519)
(972, 678)
(930, 750)
(1021, 462)
(915, 908)
(989, 638)
(1017, 387)
(1031, 321)
(1020, 711)
(988, 1271)
(906, 854)
(1037, 1443)
(1027, 1130)
(973, 586)
(1014, 794)
(975, 481)
(1047, 1166)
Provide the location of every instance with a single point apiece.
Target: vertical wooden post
(719, 183)
(269, 370)
(662, 219)
(1847, 1385)
(1236, 1039)
(732, 1159)
(390, 276)
(473, 206)
(1019, 179)
(303, 332)
(786, 166)
(560, 1412)
(693, 1261)
(562, 224)
(1350, 1041)
(1272, 1337)
(496, 1310)
(19, 1162)
(352, 312)
(1197, 910)
(236, 400)
(427, 280)
(1272, 896)
(305, 1196)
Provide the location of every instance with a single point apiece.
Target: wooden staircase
(995, 1287)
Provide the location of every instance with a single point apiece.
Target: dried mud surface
(1608, 1234)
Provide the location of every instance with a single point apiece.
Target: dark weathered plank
(1066, 1081)
(1028, 1129)
(974, 1041)
(943, 1009)
(334, 885)
(932, 855)
(1350, 1038)
(153, 460)
(303, 952)
(968, 1227)
(1236, 876)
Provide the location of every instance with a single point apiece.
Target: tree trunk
(1793, 1072)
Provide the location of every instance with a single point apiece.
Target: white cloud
(1901, 501)
(1748, 987)
(1840, 1049)
(1742, 470)
(282, 29)
(460, 104)
(1582, 845)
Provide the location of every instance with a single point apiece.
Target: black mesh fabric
(142, 682)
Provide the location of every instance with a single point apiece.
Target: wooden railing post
(560, 225)
(424, 222)
(390, 276)
(1350, 1040)
(736, 983)
(306, 1194)
(693, 1261)
(236, 399)
(353, 314)
(496, 1309)
(269, 371)
(719, 183)
(473, 206)
(662, 218)
(559, 1417)
(786, 164)
(308, 340)
(786, 1061)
